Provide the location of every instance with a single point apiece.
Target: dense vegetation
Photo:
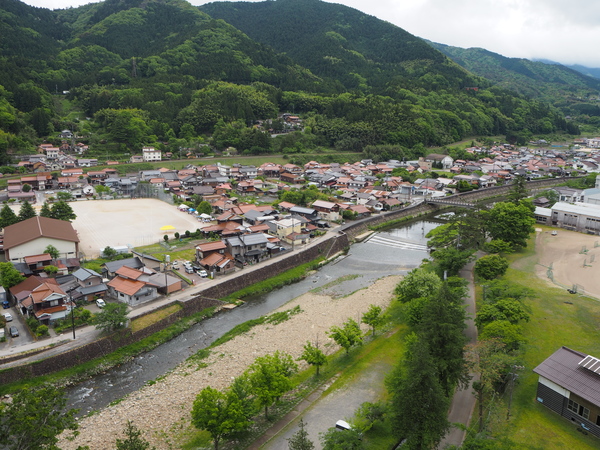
(574, 93)
(168, 74)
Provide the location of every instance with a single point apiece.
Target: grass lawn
(149, 319)
(554, 323)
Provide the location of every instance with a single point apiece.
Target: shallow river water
(392, 252)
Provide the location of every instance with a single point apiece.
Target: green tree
(450, 260)
(101, 189)
(269, 377)
(300, 440)
(64, 195)
(61, 210)
(9, 276)
(518, 190)
(418, 406)
(34, 419)
(497, 246)
(26, 211)
(45, 211)
(109, 252)
(346, 336)
(133, 439)
(443, 327)
(332, 439)
(417, 283)
(204, 208)
(368, 414)
(505, 309)
(510, 222)
(112, 317)
(373, 317)
(52, 251)
(7, 217)
(509, 334)
(219, 413)
(313, 355)
(26, 187)
(491, 266)
(488, 359)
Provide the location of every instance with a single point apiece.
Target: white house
(32, 236)
(151, 154)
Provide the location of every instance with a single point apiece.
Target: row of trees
(60, 210)
(226, 414)
(421, 385)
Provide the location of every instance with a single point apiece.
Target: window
(578, 409)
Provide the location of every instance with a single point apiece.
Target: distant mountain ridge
(589, 71)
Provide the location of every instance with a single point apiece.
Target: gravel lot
(160, 409)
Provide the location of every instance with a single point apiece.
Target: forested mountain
(166, 73)
(570, 90)
(333, 40)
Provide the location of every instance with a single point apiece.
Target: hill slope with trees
(165, 73)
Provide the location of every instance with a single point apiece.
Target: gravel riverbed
(162, 409)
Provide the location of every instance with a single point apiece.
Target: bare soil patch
(137, 222)
(162, 408)
(571, 265)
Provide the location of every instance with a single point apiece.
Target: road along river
(393, 252)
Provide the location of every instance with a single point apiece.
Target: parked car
(8, 317)
(100, 303)
(175, 265)
(203, 273)
(343, 425)
(5, 304)
(188, 269)
(14, 332)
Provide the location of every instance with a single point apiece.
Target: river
(391, 252)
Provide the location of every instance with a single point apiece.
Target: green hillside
(165, 73)
(566, 88)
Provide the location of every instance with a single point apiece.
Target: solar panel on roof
(590, 363)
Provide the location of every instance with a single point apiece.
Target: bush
(491, 266)
(42, 330)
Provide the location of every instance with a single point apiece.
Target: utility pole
(513, 375)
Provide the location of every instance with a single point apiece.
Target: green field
(558, 319)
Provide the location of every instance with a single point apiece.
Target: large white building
(151, 154)
(32, 236)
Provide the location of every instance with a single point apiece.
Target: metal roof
(565, 368)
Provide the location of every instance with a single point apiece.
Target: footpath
(463, 401)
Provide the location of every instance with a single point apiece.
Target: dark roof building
(569, 384)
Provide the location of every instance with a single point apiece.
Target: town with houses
(250, 221)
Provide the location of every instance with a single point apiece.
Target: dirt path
(162, 410)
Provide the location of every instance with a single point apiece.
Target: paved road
(340, 404)
(463, 402)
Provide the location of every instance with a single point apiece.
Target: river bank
(158, 408)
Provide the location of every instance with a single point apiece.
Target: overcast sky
(565, 31)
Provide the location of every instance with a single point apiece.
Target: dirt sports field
(137, 222)
(566, 253)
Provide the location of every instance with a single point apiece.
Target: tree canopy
(35, 418)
